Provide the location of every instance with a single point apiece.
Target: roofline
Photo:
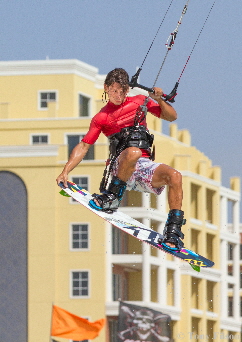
(49, 66)
(57, 67)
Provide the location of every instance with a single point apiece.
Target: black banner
(138, 324)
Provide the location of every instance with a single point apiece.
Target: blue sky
(111, 33)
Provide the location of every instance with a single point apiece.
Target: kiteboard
(135, 228)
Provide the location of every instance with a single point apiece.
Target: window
(195, 238)
(195, 201)
(119, 241)
(39, 139)
(73, 140)
(170, 286)
(113, 328)
(210, 194)
(79, 236)
(240, 279)
(45, 98)
(80, 284)
(211, 291)
(230, 251)
(196, 322)
(230, 306)
(120, 286)
(84, 105)
(196, 295)
(210, 246)
(81, 181)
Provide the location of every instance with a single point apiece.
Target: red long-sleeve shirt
(112, 118)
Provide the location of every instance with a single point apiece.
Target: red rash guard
(112, 118)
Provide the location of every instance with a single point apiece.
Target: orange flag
(68, 325)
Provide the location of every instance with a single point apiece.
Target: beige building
(54, 251)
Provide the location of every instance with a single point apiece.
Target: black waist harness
(133, 136)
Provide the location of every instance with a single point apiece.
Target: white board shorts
(142, 177)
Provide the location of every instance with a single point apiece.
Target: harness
(132, 136)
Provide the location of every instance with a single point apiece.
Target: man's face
(115, 93)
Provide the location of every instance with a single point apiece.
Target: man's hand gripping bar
(134, 83)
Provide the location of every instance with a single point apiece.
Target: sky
(110, 33)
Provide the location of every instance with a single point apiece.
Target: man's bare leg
(166, 175)
(126, 164)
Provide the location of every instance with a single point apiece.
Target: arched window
(13, 258)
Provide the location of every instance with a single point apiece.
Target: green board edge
(195, 267)
(63, 193)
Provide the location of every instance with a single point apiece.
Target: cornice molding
(50, 67)
(29, 151)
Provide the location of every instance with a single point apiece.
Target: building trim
(228, 237)
(28, 151)
(48, 67)
(200, 178)
(139, 213)
(229, 193)
(206, 273)
(230, 325)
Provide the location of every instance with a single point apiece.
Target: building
(55, 251)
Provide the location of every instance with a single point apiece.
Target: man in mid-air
(133, 167)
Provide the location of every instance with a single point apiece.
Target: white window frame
(48, 91)
(37, 135)
(88, 286)
(90, 105)
(80, 249)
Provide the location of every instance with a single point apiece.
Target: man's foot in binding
(172, 233)
(110, 200)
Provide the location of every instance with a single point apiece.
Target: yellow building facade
(57, 252)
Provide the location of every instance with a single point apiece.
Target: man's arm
(77, 154)
(167, 111)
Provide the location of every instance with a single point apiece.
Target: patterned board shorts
(142, 176)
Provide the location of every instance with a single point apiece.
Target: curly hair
(118, 75)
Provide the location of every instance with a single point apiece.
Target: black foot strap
(173, 236)
(172, 232)
(109, 201)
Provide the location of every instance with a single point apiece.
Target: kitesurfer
(133, 168)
